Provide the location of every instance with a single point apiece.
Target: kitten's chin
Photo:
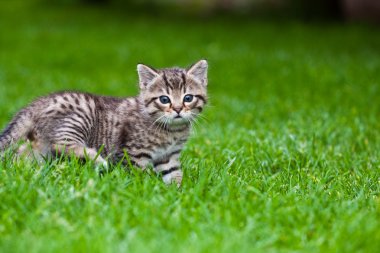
(179, 122)
(173, 123)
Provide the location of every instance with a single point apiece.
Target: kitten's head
(173, 96)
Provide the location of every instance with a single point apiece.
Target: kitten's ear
(198, 71)
(146, 75)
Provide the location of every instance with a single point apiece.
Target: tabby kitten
(151, 128)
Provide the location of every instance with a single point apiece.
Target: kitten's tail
(17, 129)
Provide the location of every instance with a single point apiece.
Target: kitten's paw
(174, 177)
(101, 166)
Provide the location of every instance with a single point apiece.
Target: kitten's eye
(165, 99)
(188, 98)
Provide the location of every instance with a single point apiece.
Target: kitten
(151, 128)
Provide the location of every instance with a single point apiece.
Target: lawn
(287, 158)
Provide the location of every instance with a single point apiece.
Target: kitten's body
(149, 131)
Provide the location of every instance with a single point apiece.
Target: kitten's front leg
(140, 161)
(170, 169)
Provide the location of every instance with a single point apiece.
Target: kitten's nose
(177, 109)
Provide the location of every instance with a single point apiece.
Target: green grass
(288, 159)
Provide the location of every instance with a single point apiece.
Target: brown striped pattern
(141, 129)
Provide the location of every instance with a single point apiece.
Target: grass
(288, 159)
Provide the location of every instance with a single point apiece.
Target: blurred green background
(306, 10)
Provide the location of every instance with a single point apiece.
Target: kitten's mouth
(178, 120)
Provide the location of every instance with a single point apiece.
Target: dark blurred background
(351, 10)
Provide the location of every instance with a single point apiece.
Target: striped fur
(149, 131)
